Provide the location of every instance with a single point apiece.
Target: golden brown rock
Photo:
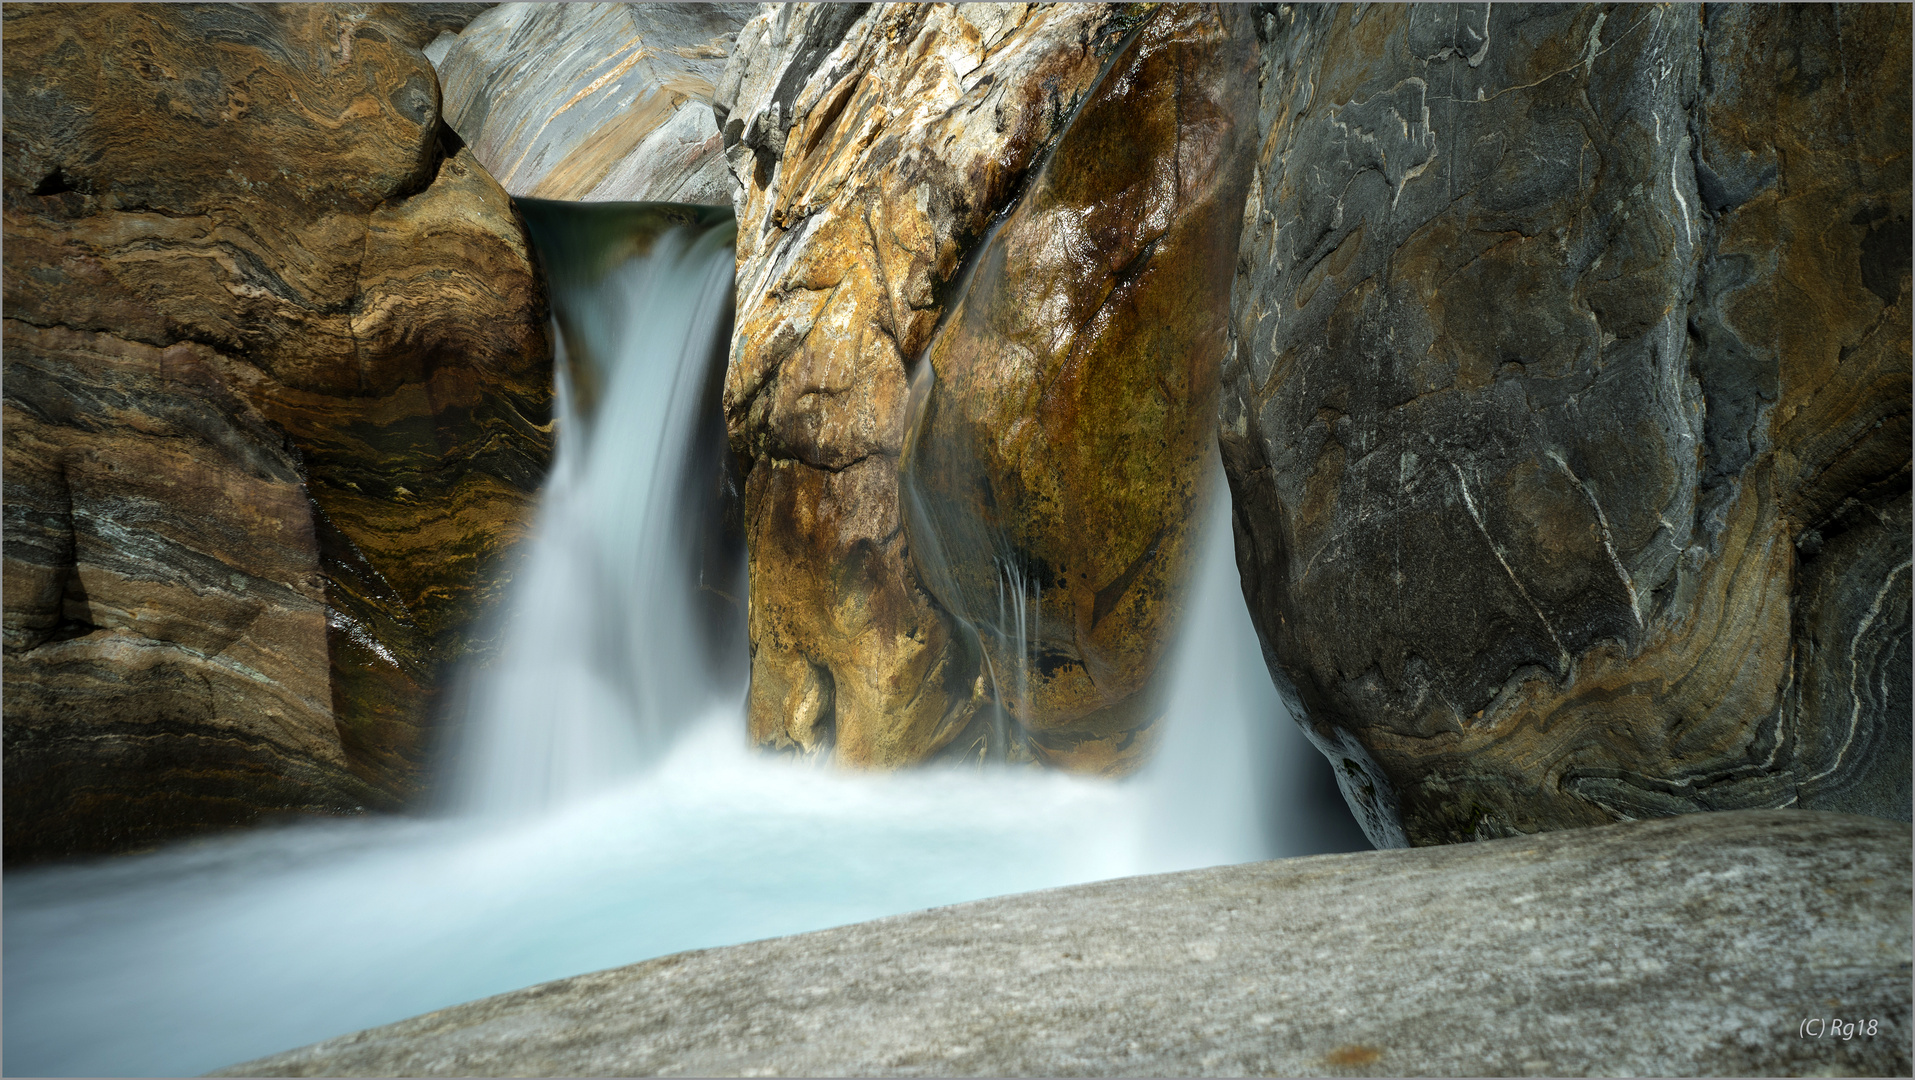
(275, 370)
(428, 475)
(872, 146)
(1568, 426)
(1062, 432)
(166, 654)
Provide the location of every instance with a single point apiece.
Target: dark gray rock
(1684, 947)
(1561, 331)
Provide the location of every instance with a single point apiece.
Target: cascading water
(606, 657)
(639, 824)
(1234, 780)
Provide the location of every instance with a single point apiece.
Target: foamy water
(215, 951)
(209, 953)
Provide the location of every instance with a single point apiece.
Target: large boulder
(1568, 423)
(594, 101)
(1063, 426)
(276, 403)
(872, 147)
(1700, 946)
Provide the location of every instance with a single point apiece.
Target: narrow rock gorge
(277, 388)
(1567, 423)
(606, 481)
(1565, 409)
(1558, 358)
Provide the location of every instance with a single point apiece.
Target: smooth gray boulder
(1695, 945)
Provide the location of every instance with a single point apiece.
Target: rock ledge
(1694, 945)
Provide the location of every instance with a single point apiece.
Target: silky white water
(610, 811)
(602, 660)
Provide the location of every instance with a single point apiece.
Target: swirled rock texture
(275, 375)
(872, 147)
(1062, 429)
(1568, 420)
(1691, 947)
(594, 101)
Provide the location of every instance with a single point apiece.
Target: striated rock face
(418, 25)
(1623, 950)
(1568, 420)
(275, 370)
(1064, 419)
(872, 147)
(594, 101)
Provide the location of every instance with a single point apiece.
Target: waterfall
(614, 643)
(1234, 779)
(625, 817)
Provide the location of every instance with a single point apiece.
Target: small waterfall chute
(614, 642)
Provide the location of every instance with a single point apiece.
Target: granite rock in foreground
(1694, 945)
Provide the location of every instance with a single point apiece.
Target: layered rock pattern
(275, 375)
(419, 25)
(1064, 419)
(872, 147)
(594, 101)
(1568, 418)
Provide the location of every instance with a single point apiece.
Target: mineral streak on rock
(872, 146)
(594, 101)
(1568, 417)
(275, 370)
(166, 615)
(1688, 947)
(1064, 419)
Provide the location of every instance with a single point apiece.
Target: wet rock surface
(1567, 423)
(275, 375)
(594, 101)
(872, 147)
(1062, 422)
(1694, 946)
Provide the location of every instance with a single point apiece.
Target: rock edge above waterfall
(1694, 945)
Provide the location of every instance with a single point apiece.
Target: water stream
(605, 809)
(610, 647)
